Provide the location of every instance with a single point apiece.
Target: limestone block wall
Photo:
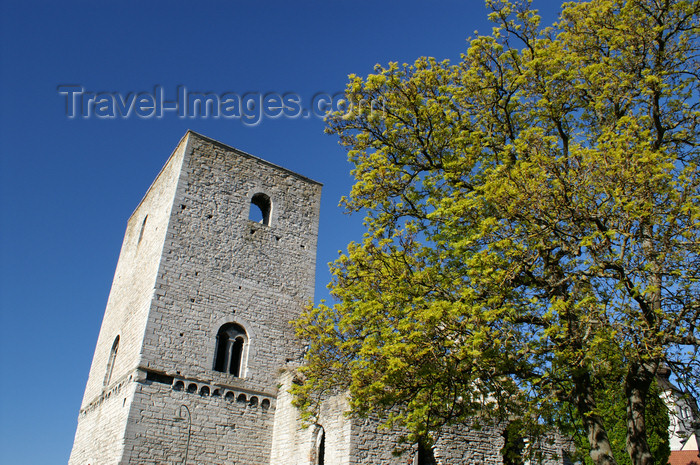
(291, 442)
(220, 267)
(223, 426)
(102, 417)
(374, 444)
(296, 443)
(364, 441)
(456, 445)
(553, 450)
(338, 431)
(470, 446)
(190, 262)
(99, 439)
(132, 288)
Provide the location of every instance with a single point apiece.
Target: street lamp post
(180, 417)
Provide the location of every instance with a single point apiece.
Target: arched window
(319, 452)
(260, 209)
(110, 362)
(231, 342)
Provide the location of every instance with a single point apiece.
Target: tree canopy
(532, 219)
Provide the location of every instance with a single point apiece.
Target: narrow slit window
(143, 227)
(110, 362)
(320, 447)
(260, 209)
(231, 342)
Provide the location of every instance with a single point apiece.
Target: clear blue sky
(67, 186)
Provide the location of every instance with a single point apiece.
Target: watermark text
(251, 108)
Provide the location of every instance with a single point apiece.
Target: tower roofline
(215, 142)
(248, 155)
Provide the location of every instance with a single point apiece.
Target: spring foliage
(532, 222)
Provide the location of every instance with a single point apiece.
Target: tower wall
(196, 265)
(351, 440)
(218, 267)
(102, 419)
(295, 443)
(220, 429)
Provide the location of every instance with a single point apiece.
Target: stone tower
(196, 327)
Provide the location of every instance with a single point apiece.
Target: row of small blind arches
(230, 395)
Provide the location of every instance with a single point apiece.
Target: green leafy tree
(532, 233)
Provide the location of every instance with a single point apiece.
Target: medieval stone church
(196, 353)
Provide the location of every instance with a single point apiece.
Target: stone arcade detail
(195, 355)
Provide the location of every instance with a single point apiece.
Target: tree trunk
(640, 375)
(637, 383)
(601, 452)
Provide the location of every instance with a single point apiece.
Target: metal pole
(189, 428)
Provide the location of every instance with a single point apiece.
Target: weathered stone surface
(192, 261)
